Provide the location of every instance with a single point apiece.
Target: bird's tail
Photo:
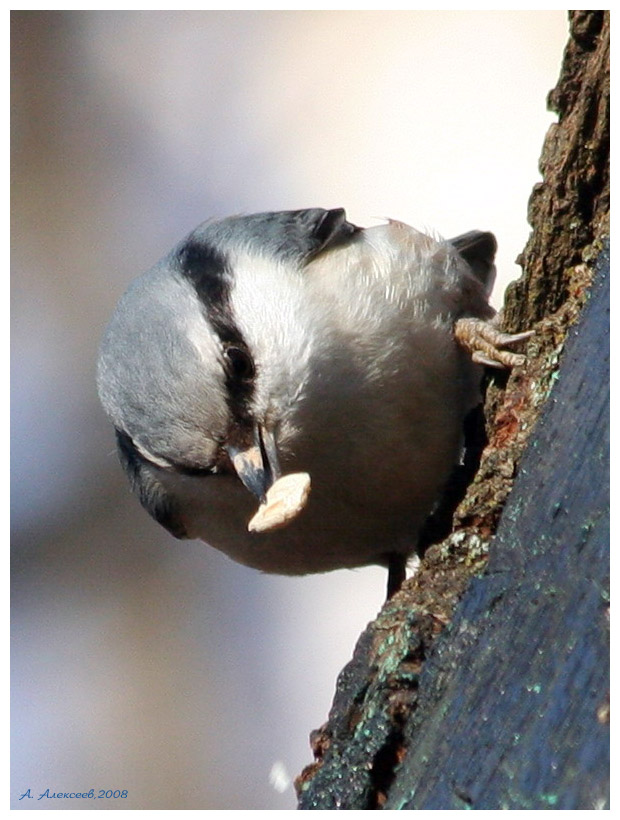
(478, 249)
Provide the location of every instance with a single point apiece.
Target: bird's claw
(484, 341)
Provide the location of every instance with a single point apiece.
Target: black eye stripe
(209, 273)
(240, 362)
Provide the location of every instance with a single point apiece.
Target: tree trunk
(484, 683)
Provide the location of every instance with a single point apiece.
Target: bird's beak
(257, 466)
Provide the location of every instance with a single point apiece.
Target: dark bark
(482, 684)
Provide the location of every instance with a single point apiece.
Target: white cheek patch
(266, 294)
(275, 315)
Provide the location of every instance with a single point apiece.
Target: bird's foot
(484, 341)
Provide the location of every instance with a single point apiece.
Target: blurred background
(142, 663)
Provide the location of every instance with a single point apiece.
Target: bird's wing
(152, 495)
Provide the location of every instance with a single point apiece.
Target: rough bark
(483, 684)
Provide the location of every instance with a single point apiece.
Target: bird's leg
(484, 341)
(439, 523)
(397, 571)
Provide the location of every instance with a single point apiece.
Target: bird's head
(206, 359)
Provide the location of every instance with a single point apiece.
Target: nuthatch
(322, 368)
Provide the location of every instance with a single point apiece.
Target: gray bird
(297, 343)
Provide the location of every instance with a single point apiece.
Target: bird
(320, 370)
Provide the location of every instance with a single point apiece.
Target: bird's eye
(240, 362)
